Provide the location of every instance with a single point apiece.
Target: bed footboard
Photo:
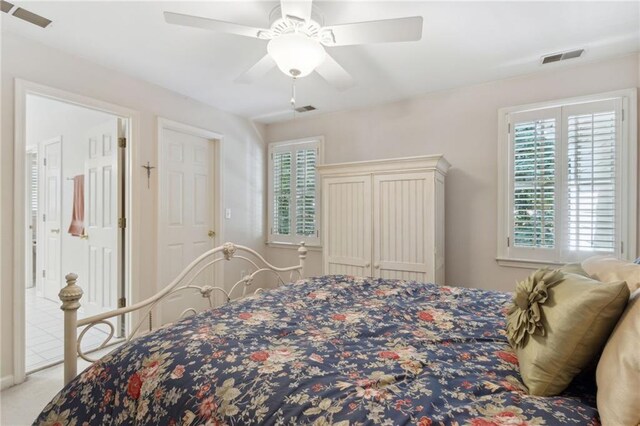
(71, 294)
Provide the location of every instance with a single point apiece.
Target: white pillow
(609, 269)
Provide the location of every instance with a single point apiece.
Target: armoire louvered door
(385, 218)
(347, 236)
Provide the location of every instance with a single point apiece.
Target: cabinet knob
(376, 265)
(211, 234)
(366, 265)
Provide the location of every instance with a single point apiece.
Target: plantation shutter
(281, 204)
(293, 203)
(534, 194)
(592, 134)
(306, 192)
(566, 181)
(33, 157)
(534, 183)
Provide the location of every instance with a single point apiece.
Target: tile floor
(44, 330)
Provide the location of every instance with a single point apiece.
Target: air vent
(556, 57)
(305, 108)
(5, 6)
(31, 17)
(24, 14)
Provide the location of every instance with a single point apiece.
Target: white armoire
(385, 218)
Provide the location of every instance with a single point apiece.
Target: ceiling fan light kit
(296, 54)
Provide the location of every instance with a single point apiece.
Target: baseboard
(6, 381)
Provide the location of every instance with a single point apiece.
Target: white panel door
(403, 235)
(347, 229)
(102, 211)
(52, 201)
(186, 213)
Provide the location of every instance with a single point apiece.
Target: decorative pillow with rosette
(558, 323)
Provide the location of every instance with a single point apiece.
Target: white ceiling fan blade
(262, 67)
(384, 31)
(211, 24)
(296, 8)
(334, 74)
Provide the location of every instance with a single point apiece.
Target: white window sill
(526, 263)
(292, 246)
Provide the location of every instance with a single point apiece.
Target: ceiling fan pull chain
(293, 94)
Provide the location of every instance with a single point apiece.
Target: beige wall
(244, 154)
(462, 125)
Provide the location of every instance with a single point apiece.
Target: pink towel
(77, 216)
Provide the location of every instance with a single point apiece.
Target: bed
(330, 350)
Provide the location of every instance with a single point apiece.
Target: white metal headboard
(71, 294)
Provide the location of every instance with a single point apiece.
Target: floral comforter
(335, 350)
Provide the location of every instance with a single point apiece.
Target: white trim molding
(24, 88)
(6, 382)
(626, 176)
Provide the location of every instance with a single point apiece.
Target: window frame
(627, 164)
(292, 146)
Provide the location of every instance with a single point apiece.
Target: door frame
(132, 240)
(217, 139)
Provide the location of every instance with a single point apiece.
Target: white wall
(462, 125)
(244, 155)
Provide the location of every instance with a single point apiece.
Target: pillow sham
(609, 269)
(574, 268)
(618, 372)
(557, 325)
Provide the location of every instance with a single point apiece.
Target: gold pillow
(618, 372)
(557, 325)
(609, 268)
(574, 268)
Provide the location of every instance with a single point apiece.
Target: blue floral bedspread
(334, 350)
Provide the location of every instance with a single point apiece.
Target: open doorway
(75, 201)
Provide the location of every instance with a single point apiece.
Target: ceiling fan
(297, 39)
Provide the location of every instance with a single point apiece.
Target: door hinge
(122, 302)
(508, 242)
(622, 115)
(122, 222)
(44, 274)
(122, 142)
(621, 247)
(44, 160)
(44, 217)
(509, 128)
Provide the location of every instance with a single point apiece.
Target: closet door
(403, 241)
(347, 225)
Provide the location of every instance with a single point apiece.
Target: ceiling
(463, 43)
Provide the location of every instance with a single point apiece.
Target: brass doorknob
(84, 236)
(211, 234)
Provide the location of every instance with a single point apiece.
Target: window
(567, 180)
(294, 192)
